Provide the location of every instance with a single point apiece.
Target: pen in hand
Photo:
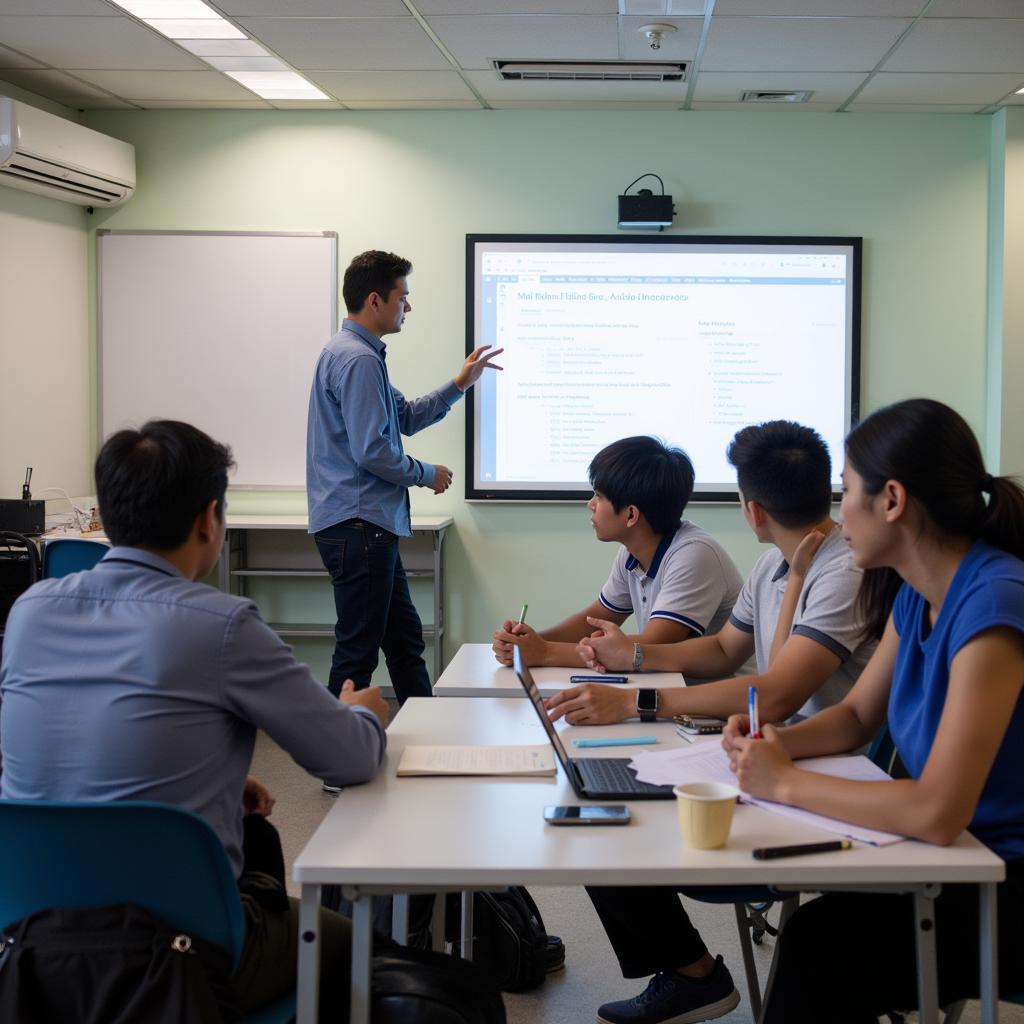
(755, 721)
(522, 616)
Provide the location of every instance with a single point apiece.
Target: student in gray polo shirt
(784, 475)
(671, 575)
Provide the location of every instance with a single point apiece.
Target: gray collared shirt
(356, 467)
(129, 682)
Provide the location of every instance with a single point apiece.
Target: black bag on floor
(417, 986)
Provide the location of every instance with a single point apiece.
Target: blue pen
(755, 723)
(617, 741)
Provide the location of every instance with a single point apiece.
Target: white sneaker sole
(711, 1011)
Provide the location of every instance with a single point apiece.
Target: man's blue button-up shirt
(356, 467)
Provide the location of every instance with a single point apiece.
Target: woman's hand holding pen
(763, 767)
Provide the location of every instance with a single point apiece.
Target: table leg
(362, 953)
(927, 977)
(467, 926)
(988, 943)
(308, 977)
(400, 918)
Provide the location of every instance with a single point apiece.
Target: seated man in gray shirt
(784, 475)
(134, 682)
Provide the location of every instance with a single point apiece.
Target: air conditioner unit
(42, 153)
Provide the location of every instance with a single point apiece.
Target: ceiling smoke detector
(654, 33)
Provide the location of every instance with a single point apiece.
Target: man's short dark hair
(784, 467)
(645, 472)
(152, 483)
(372, 271)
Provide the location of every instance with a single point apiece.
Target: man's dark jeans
(375, 611)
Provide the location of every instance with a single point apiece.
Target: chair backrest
(19, 569)
(71, 554)
(161, 857)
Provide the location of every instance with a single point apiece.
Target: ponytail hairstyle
(932, 452)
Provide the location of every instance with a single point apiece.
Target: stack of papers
(708, 762)
(509, 760)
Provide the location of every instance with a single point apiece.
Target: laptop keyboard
(610, 775)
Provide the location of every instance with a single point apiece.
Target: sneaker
(334, 790)
(554, 955)
(672, 999)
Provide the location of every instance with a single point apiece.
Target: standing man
(358, 476)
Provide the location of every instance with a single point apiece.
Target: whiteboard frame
(101, 232)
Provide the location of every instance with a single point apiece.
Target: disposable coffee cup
(705, 813)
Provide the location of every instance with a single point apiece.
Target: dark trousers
(374, 608)
(849, 957)
(648, 928)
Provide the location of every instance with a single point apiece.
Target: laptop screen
(526, 680)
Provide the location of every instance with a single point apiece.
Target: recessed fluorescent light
(206, 48)
(263, 63)
(1020, 92)
(148, 9)
(196, 28)
(278, 85)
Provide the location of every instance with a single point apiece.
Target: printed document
(500, 760)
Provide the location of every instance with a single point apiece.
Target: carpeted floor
(591, 976)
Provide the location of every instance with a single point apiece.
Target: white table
(433, 834)
(473, 672)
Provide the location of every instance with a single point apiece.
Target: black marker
(772, 852)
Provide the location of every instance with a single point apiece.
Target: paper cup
(705, 813)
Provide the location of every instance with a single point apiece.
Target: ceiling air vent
(590, 71)
(775, 96)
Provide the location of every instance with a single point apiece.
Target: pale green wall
(915, 186)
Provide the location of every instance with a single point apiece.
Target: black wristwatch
(647, 704)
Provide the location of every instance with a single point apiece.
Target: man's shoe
(554, 955)
(672, 999)
(334, 790)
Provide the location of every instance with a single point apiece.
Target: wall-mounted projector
(646, 210)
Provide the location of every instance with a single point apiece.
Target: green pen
(522, 615)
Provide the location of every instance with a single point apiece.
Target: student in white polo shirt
(671, 575)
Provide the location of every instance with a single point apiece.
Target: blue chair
(158, 856)
(65, 555)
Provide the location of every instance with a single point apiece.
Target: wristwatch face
(647, 703)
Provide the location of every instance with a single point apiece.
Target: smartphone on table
(590, 814)
(697, 725)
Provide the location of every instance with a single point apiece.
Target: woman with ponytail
(941, 542)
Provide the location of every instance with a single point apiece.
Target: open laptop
(593, 778)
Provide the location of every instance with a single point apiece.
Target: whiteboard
(221, 330)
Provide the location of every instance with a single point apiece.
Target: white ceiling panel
(314, 8)
(306, 105)
(957, 44)
(665, 8)
(1015, 100)
(426, 7)
(393, 85)
(910, 87)
(253, 104)
(168, 85)
(64, 89)
(92, 8)
(793, 108)
(822, 8)
(100, 43)
(414, 105)
(976, 9)
(493, 88)
(794, 44)
(348, 44)
(475, 41)
(728, 85)
(913, 108)
(10, 59)
(679, 45)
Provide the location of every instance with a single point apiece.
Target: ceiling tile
(679, 45)
(414, 105)
(822, 8)
(253, 104)
(914, 108)
(1014, 100)
(64, 89)
(305, 105)
(348, 44)
(768, 108)
(491, 88)
(168, 85)
(393, 85)
(804, 44)
(959, 44)
(976, 9)
(910, 87)
(90, 8)
(10, 59)
(475, 41)
(427, 7)
(728, 85)
(92, 43)
(314, 8)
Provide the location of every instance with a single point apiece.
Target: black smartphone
(592, 814)
(698, 724)
(603, 678)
